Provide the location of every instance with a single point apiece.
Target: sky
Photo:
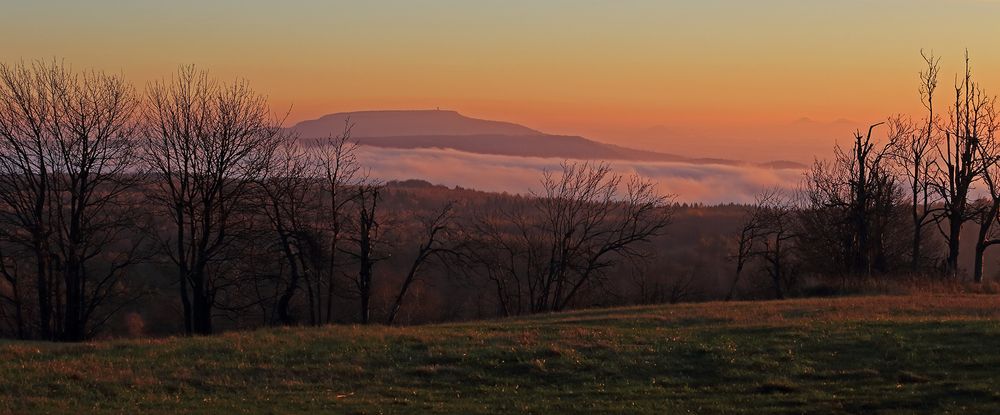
(692, 76)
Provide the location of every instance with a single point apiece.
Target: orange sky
(606, 69)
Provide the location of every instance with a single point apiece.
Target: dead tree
(960, 163)
(914, 156)
(855, 195)
(987, 208)
(207, 144)
(866, 176)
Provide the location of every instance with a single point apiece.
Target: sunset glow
(608, 70)
(499, 206)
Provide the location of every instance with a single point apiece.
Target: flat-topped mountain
(407, 123)
(403, 129)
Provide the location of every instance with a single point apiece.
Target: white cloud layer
(689, 182)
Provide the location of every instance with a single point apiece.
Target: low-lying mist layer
(704, 183)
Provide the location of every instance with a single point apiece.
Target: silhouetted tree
(914, 154)
(857, 193)
(435, 243)
(207, 144)
(366, 239)
(768, 236)
(541, 252)
(960, 163)
(987, 208)
(291, 203)
(757, 224)
(67, 166)
(340, 172)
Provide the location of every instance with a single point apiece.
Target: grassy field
(917, 354)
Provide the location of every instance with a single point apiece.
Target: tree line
(193, 180)
(109, 194)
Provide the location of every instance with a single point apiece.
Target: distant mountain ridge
(393, 123)
(406, 129)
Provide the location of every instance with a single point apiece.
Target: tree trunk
(73, 325)
(186, 303)
(293, 284)
(736, 281)
(982, 243)
(978, 267)
(44, 294)
(915, 255)
(202, 313)
(366, 278)
(954, 240)
(201, 304)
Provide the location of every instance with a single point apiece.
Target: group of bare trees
(853, 212)
(542, 252)
(195, 180)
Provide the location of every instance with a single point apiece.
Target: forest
(185, 208)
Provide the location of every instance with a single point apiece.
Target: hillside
(450, 130)
(922, 354)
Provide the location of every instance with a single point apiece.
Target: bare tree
(27, 102)
(867, 177)
(434, 244)
(291, 204)
(914, 155)
(340, 171)
(366, 239)
(67, 168)
(755, 226)
(987, 208)
(541, 254)
(208, 143)
(960, 163)
(767, 236)
(857, 193)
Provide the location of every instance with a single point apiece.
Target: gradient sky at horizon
(599, 68)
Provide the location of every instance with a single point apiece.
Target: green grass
(922, 354)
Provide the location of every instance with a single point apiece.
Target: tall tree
(857, 192)
(207, 144)
(960, 162)
(914, 154)
(27, 114)
(291, 204)
(67, 169)
(367, 241)
(341, 175)
(987, 208)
